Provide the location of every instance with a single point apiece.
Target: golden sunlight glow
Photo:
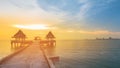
(33, 26)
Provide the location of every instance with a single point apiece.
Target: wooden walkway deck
(31, 57)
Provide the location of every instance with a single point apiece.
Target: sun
(32, 26)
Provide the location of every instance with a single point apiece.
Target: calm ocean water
(87, 54)
(81, 54)
(5, 48)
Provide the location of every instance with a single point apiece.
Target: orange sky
(8, 29)
(35, 21)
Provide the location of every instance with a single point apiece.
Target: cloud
(98, 6)
(62, 13)
(99, 32)
(30, 10)
(84, 8)
(33, 27)
(60, 8)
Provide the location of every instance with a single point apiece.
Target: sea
(80, 53)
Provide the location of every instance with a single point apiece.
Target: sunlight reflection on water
(5, 48)
(80, 54)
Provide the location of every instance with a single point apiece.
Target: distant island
(109, 38)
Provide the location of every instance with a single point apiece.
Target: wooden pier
(30, 55)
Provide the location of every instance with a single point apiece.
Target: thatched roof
(19, 34)
(50, 35)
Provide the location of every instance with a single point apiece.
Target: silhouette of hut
(19, 36)
(50, 38)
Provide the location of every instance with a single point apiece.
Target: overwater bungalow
(19, 39)
(51, 39)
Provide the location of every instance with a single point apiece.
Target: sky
(67, 19)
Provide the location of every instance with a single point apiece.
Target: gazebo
(51, 39)
(50, 36)
(19, 39)
(19, 36)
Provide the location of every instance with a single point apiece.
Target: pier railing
(25, 42)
